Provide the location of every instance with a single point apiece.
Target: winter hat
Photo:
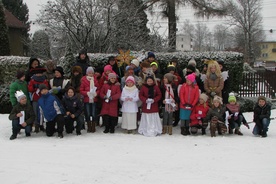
(154, 63)
(171, 68)
(42, 86)
(192, 62)
(149, 77)
(77, 69)
(130, 78)
(112, 75)
(20, 74)
(170, 77)
(32, 59)
(38, 69)
(83, 51)
(151, 54)
(262, 98)
(145, 64)
(111, 58)
(174, 60)
(191, 67)
(89, 70)
(232, 98)
(204, 97)
(135, 62)
(191, 77)
(59, 69)
(19, 95)
(218, 99)
(50, 64)
(108, 67)
(220, 62)
(129, 68)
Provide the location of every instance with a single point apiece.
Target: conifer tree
(4, 39)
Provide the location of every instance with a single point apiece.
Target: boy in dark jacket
(262, 113)
(49, 107)
(22, 116)
(74, 109)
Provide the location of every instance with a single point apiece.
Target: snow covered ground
(129, 159)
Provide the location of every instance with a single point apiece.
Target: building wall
(184, 43)
(16, 42)
(268, 51)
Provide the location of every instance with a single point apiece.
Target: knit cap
(89, 70)
(60, 70)
(107, 67)
(112, 75)
(218, 99)
(191, 77)
(204, 97)
(170, 68)
(154, 63)
(170, 77)
(20, 74)
(42, 86)
(262, 98)
(135, 62)
(130, 78)
(19, 95)
(192, 62)
(191, 67)
(151, 54)
(232, 98)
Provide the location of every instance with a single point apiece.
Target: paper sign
(22, 118)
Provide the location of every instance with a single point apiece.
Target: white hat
(19, 95)
(135, 62)
(218, 99)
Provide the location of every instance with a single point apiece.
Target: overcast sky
(268, 12)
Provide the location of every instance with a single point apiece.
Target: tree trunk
(172, 24)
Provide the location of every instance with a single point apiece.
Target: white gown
(150, 125)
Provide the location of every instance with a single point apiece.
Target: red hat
(191, 77)
(130, 78)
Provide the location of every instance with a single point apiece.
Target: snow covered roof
(12, 21)
(270, 36)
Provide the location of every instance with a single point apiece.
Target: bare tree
(246, 15)
(201, 37)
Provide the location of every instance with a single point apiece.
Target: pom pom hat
(232, 98)
(191, 77)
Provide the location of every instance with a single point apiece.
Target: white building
(184, 43)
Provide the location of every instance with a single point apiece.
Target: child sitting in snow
(234, 116)
(262, 112)
(130, 97)
(22, 116)
(150, 124)
(216, 117)
(198, 116)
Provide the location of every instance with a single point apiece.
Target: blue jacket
(49, 107)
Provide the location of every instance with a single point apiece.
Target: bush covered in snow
(233, 62)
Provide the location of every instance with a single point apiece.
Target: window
(182, 46)
(264, 55)
(274, 50)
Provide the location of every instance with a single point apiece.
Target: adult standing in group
(118, 70)
(33, 63)
(83, 61)
(226, 88)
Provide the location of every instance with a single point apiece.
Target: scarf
(39, 78)
(150, 91)
(213, 76)
(169, 95)
(91, 80)
(130, 89)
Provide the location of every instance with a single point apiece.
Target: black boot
(188, 130)
(203, 131)
(60, 135)
(13, 136)
(182, 130)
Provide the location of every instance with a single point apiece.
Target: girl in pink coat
(189, 94)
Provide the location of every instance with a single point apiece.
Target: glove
(213, 94)
(245, 124)
(36, 86)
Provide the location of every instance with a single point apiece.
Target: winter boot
(213, 127)
(107, 126)
(36, 128)
(41, 127)
(170, 130)
(13, 136)
(164, 129)
(238, 132)
(264, 134)
(203, 131)
(183, 130)
(188, 130)
(89, 126)
(230, 130)
(93, 127)
(60, 135)
(78, 132)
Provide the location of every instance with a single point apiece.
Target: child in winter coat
(234, 116)
(22, 116)
(150, 94)
(213, 84)
(198, 116)
(50, 108)
(59, 84)
(170, 101)
(216, 116)
(262, 112)
(110, 93)
(73, 106)
(90, 89)
(19, 85)
(33, 87)
(189, 94)
(130, 97)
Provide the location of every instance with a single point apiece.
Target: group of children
(60, 102)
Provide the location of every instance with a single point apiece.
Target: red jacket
(85, 87)
(188, 95)
(199, 111)
(33, 87)
(110, 108)
(143, 95)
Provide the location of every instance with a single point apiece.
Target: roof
(12, 21)
(270, 36)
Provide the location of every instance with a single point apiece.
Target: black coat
(74, 105)
(261, 112)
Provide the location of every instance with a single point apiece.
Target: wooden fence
(259, 83)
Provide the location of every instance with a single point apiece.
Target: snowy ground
(121, 158)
